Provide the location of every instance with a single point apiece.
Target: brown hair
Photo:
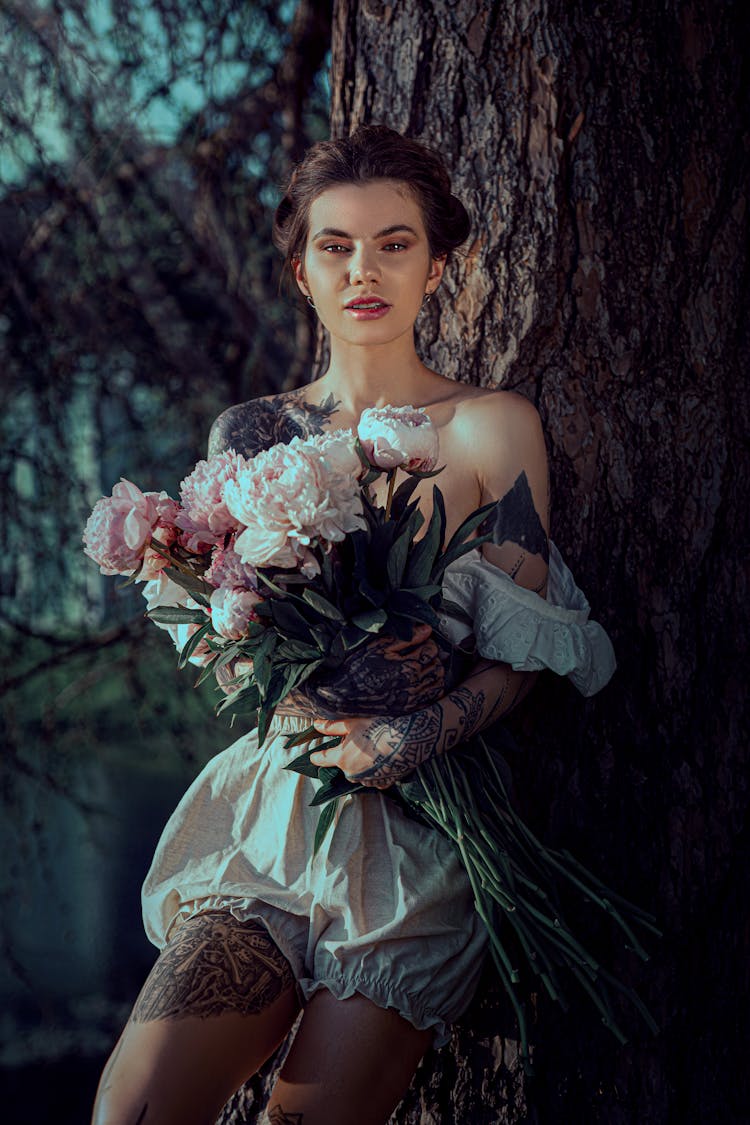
(372, 152)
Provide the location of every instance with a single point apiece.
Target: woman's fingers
(330, 727)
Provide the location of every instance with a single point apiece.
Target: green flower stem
(391, 476)
(163, 550)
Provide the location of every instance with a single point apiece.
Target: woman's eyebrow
(331, 232)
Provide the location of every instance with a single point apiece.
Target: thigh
(350, 1061)
(217, 1003)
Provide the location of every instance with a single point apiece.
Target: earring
(427, 297)
(310, 301)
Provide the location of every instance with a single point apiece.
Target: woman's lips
(373, 313)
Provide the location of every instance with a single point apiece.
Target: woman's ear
(299, 276)
(435, 275)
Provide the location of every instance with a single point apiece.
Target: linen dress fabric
(385, 909)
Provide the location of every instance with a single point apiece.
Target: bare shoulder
(252, 426)
(501, 423)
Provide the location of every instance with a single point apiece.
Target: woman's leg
(350, 1061)
(217, 1003)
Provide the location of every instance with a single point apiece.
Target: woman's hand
(381, 750)
(385, 675)
(231, 671)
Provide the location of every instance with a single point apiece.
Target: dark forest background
(603, 150)
(142, 150)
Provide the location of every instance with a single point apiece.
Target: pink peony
(290, 497)
(228, 569)
(399, 437)
(231, 611)
(119, 529)
(205, 518)
(165, 532)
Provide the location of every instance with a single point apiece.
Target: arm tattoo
(214, 964)
(253, 426)
(405, 742)
(516, 520)
(402, 744)
(381, 677)
(277, 1116)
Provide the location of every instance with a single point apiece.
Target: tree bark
(603, 152)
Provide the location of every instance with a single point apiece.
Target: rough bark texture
(603, 151)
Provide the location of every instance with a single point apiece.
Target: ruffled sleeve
(162, 591)
(517, 626)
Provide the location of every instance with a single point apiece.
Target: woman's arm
(507, 441)
(382, 750)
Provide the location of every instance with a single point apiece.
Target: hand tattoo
(384, 676)
(253, 426)
(403, 743)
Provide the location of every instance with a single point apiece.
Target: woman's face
(367, 263)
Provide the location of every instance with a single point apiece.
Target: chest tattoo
(254, 426)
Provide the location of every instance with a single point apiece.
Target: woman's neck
(359, 377)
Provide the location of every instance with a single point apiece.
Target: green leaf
(416, 610)
(322, 605)
(194, 585)
(371, 621)
(421, 475)
(303, 765)
(301, 736)
(263, 661)
(458, 540)
(177, 615)
(371, 593)
(352, 637)
(208, 669)
(402, 495)
(458, 552)
(439, 503)
(191, 644)
(397, 557)
(242, 702)
(424, 593)
(422, 557)
(326, 570)
(456, 611)
(288, 619)
(298, 650)
(265, 714)
(335, 785)
(324, 823)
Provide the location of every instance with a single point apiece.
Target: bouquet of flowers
(273, 569)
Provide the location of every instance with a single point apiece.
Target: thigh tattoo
(214, 964)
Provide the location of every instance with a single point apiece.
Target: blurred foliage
(143, 146)
(142, 149)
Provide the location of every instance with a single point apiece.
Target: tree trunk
(603, 152)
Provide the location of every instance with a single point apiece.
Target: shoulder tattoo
(257, 425)
(516, 520)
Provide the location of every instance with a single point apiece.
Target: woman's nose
(363, 268)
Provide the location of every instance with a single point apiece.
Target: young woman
(376, 939)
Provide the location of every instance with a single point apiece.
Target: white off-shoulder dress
(385, 908)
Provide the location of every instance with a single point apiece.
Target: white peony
(399, 437)
(293, 496)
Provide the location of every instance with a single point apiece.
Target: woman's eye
(338, 248)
